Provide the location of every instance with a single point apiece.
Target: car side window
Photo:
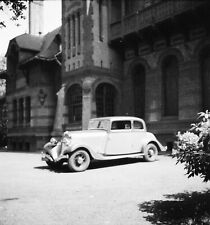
(121, 125)
(138, 125)
(103, 124)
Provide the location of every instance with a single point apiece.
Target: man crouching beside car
(50, 153)
(53, 151)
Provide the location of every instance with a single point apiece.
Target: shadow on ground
(96, 164)
(180, 209)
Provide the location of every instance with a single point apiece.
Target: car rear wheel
(150, 153)
(79, 161)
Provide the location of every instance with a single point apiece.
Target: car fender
(75, 147)
(155, 142)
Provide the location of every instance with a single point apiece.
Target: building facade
(91, 70)
(146, 58)
(33, 79)
(143, 58)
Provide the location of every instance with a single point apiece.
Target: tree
(3, 109)
(2, 63)
(2, 81)
(193, 148)
(3, 122)
(16, 7)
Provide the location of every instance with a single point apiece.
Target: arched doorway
(138, 78)
(205, 78)
(74, 103)
(105, 100)
(170, 75)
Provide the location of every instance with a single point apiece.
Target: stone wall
(189, 86)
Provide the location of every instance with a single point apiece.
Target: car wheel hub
(151, 152)
(80, 160)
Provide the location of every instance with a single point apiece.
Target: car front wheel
(150, 153)
(79, 161)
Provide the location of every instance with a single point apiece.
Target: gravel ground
(122, 192)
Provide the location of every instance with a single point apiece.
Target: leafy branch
(16, 7)
(193, 147)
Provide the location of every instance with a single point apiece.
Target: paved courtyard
(122, 192)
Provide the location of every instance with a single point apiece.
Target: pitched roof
(47, 51)
(29, 41)
(42, 45)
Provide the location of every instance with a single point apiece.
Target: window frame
(121, 124)
(74, 103)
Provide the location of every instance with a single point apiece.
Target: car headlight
(66, 140)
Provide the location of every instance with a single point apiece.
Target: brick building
(147, 58)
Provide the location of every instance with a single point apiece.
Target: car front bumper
(47, 158)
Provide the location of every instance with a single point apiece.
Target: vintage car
(106, 138)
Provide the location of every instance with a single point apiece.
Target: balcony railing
(151, 15)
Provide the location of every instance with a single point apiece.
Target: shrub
(193, 148)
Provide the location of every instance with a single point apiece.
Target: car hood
(85, 133)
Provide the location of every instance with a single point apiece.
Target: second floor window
(74, 30)
(78, 29)
(100, 5)
(69, 33)
(130, 6)
(116, 10)
(21, 111)
(15, 112)
(27, 110)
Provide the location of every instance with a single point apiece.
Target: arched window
(105, 100)
(170, 71)
(138, 77)
(205, 78)
(74, 103)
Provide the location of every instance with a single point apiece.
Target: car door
(119, 138)
(138, 136)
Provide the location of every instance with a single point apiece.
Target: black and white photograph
(105, 112)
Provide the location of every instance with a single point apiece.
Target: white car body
(106, 138)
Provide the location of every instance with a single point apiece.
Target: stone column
(59, 120)
(87, 101)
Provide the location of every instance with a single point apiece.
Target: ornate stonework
(87, 85)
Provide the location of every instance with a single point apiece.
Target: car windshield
(99, 124)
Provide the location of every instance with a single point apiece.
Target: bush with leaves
(193, 148)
